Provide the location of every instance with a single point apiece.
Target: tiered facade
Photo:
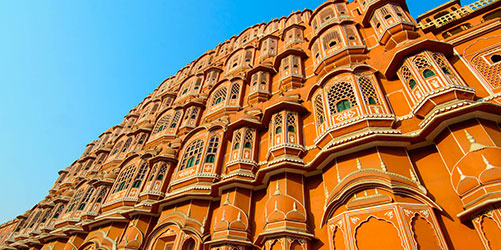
(352, 126)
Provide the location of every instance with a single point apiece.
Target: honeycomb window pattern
(340, 91)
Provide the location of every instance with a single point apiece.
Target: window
(161, 172)
(412, 83)
(74, 200)
(369, 93)
(496, 58)
(319, 108)
(340, 97)
(219, 96)
(86, 198)
(291, 128)
(125, 178)
(210, 158)
(162, 123)
(278, 130)
(343, 105)
(235, 90)
(192, 154)
(428, 73)
(140, 175)
(212, 149)
(126, 145)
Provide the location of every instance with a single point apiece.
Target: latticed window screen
(102, 193)
(248, 56)
(406, 73)
(491, 72)
(442, 63)
(162, 123)
(212, 149)
(86, 198)
(291, 122)
(340, 91)
(331, 39)
(192, 154)
(285, 63)
(326, 15)
(140, 175)
(117, 147)
(213, 144)
(368, 91)
(219, 96)
(236, 140)
(123, 181)
(249, 138)
(175, 119)
(315, 51)
(420, 62)
(161, 172)
(235, 91)
(341, 8)
(74, 200)
(278, 120)
(127, 144)
(264, 78)
(319, 109)
(350, 32)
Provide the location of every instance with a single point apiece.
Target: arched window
(212, 149)
(117, 147)
(86, 198)
(161, 172)
(102, 193)
(343, 105)
(319, 109)
(192, 154)
(248, 139)
(126, 145)
(162, 123)
(291, 123)
(441, 61)
(140, 175)
(247, 145)
(175, 120)
(278, 130)
(235, 90)
(141, 139)
(74, 200)
(219, 96)
(368, 91)
(331, 39)
(124, 179)
(291, 128)
(341, 97)
(428, 73)
(496, 58)
(210, 158)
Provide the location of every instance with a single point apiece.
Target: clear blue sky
(71, 69)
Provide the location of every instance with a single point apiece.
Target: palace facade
(351, 126)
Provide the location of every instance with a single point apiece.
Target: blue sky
(71, 69)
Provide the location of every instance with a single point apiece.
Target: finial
(239, 218)
(461, 174)
(375, 189)
(383, 166)
(365, 193)
(189, 211)
(276, 206)
(277, 190)
(294, 207)
(488, 165)
(222, 217)
(359, 166)
(338, 176)
(227, 201)
(474, 145)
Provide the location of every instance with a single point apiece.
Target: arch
(192, 154)
(490, 229)
(377, 234)
(424, 234)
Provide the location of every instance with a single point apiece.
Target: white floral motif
(346, 115)
(389, 214)
(354, 220)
